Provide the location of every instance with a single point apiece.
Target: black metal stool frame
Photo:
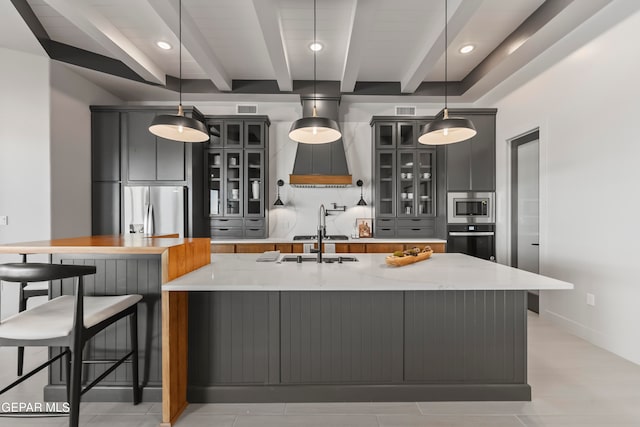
(74, 343)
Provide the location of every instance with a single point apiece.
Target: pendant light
(447, 130)
(314, 129)
(178, 127)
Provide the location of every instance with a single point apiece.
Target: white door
(528, 217)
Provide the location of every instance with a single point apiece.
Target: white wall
(71, 96)
(586, 107)
(24, 156)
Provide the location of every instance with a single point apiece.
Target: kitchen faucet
(322, 231)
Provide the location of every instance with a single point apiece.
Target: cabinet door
(425, 178)
(254, 183)
(233, 134)
(385, 183)
(216, 133)
(406, 183)
(169, 160)
(141, 146)
(483, 154)
(406, 135)
(254, 134)
(105, 146)
(105, 208)
(459, 166)
(233, 185)
(385, 134)
(215, 184)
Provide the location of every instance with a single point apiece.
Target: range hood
(321, 165)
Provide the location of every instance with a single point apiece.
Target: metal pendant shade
(314, 129)
(178, 127)
(447, 130)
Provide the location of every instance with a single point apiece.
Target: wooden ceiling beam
(361, 22)
(100, 29)
(460, 12)
(271, 26)
(194, 42)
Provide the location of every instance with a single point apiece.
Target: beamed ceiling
(261, 47)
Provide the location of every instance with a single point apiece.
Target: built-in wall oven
(471, 224)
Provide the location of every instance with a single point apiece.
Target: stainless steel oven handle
(472, 233)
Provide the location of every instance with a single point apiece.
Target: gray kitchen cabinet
(471, 164)
(124, 152)
(151, 158)
(105, 152)
(236, 163)
(404, 174)
(105, 205)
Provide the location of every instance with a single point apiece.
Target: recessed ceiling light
(163, 45)
(467, 48)
(315, 46)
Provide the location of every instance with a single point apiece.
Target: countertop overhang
(116, 244)
(241, 272)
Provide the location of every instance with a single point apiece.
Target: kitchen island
(452, 327)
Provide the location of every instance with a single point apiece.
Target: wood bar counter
(131, 265)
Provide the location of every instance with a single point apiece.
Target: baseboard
(360, 393)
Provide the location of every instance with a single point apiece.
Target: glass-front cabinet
(404, 176)
(237, 172)
(415, 186)
(386, 183)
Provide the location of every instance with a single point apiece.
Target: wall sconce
(278, 202)
(361, 202)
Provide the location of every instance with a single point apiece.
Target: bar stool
(25, 292)
(69, 322)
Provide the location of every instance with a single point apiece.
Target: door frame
(533, 299)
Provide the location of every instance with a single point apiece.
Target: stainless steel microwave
(471, 208)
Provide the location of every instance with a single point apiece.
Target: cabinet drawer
(415, 232)
(385, 232)
(226, 232)
(226, 222)
(415, 222)
(254, 222)
(385, 222)
(255, 232)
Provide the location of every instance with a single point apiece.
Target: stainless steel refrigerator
(158, 210)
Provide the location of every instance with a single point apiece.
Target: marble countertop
(241, 272)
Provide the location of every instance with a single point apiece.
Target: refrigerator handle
(148, 221)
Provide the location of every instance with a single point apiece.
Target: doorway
(525, 208)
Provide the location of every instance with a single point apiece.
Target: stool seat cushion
(54, 319)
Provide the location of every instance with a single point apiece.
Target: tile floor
(574, 384)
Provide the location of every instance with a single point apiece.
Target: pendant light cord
(180, 50)
(446, 45)
(315, 93)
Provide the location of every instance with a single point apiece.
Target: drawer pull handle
(254, 229)
(223, 220)
(415, 229)
(386, 229)
(224, 229)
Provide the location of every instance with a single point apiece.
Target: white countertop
(275, 240)
(241, 272)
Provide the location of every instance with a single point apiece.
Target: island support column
(177, 261)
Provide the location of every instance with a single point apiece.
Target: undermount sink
(314, 258)
(315, 237)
